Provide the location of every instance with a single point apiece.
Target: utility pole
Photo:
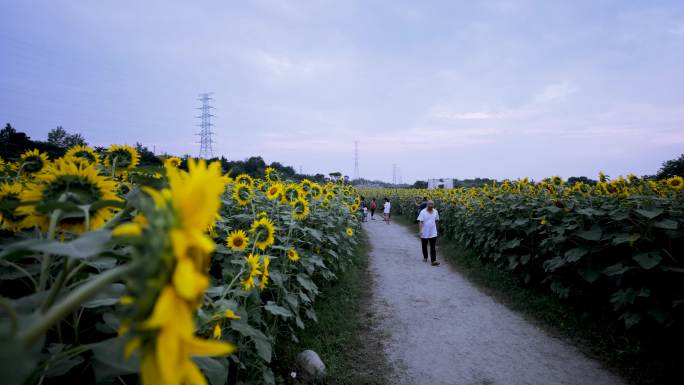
(206, 142)
(356, 159)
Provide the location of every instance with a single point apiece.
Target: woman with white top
(386, 210)
(427, 226)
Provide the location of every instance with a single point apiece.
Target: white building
(440, 183)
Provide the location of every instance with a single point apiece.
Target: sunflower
(316, 191)
(254, 270)
(350, 232)
(122, 157)
(263, 231)
(173, 161)
(292, 255)
(70, 183)
(10, 194)
(237, 240)
(84, 153)
(195, 194)
(33, 162)
(354, 208)
(300, 209)
(242, 194)
(244, 179)
(329, 196)
(602, 177)
(272, 175)
(263, 279)
(556, 180)
(274, 191)
(676, 183)
(291, 194)
(305, 186)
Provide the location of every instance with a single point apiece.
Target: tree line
(14, 143)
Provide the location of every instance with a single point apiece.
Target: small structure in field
(440, 183)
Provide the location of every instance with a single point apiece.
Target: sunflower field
(616, 245)
(114, 274)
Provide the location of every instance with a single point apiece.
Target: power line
(206, 142)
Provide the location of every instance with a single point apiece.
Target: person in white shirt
(387, 207)
(427, 226)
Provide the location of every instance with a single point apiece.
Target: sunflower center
(237, 242)
(8, 204)
(244, 193)
(76, 190)
(123, 158)
(86, 155)
(33, 164)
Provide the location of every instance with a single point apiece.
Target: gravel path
(443, 330)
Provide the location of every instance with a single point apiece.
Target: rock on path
(443, 330)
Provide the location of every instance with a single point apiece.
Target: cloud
(551, 93)
(677, 30)
(464, 115)
(418, 138)
(555, 92)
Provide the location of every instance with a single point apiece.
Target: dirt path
(444, 331)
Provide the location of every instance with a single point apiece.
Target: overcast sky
(501, 89)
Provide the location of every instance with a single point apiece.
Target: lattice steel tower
(206, 142)
(356, 159)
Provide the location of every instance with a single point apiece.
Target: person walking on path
(373, 206)
(427, 227)
(387, 208)
(364, 210)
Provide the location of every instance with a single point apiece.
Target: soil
(440, 329)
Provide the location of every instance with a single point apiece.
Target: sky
(464, 89)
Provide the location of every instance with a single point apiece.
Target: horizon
(503, 90)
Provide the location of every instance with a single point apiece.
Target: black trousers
(433, 252)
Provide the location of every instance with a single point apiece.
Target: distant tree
(147, 157)
(670, 168)
(14, 143)
(574, 179)
(420, 184)
(61, 138)
(74, 140)
(57, 136)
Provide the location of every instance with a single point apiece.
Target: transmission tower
(206, 142)
(356, 159)
(394, 174)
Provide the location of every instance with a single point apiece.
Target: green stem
(47, 258)
(7, 307)
(116, 219)
(114, 167)
(78, 296)
(57, 286)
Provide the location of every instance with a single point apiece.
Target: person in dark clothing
(364, 210)
(373, 206)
